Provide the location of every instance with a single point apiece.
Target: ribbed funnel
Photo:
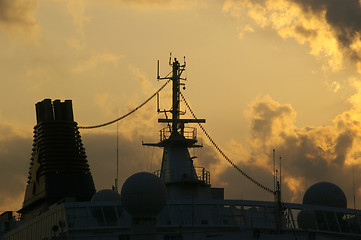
(59, 167)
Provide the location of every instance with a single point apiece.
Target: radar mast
(177, 171)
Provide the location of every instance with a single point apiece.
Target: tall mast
(175, 99)
(176, 78)
(177, 169)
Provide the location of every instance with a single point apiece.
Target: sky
(265, 74)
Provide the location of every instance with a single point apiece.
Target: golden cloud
(322, 153)
(308, 24)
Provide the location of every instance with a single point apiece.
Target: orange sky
(265, 74)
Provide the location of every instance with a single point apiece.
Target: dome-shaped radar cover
(106, 195)
(325, 194)
(105, 215)
(143, 195)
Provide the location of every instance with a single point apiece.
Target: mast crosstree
(176, 78)
(177, 170)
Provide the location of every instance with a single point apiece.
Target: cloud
(143, 79)
(268, 117)
(76, 8)
(330, 28)
(344, 17)
(15, 152)
(18, 15)
(151, 2)
(95, 61)
(318, 153)
(245, 30)
(101, 152)
(309, 155)
(173, 4)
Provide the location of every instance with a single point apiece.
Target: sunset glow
(266, 74)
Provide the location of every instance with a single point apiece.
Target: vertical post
(117, 172)
(274, 170)
(280, 176)
(353, 186)
(175, 98)
(158, 70)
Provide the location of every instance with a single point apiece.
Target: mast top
(177, 124)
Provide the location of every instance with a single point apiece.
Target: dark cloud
(264, 115)
(344, 16)
(331, 28)
(308, 33)
(133, 157)
(18, 13)
(15, 152)
(343, 145)
(309, 155)
(238, 187)
(303, 159)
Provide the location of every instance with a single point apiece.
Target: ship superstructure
(61, 203)
(182, 179)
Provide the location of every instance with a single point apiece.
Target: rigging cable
(129, 113)
(223, 154)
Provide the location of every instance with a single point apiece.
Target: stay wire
(126, 115)
(222, 153)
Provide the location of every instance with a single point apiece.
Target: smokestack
(58, 166)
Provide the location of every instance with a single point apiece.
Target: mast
(176, 78)
(177, 168)
(175, 94)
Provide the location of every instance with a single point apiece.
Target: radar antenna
(176, 77)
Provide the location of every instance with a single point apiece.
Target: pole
(274, 170)
(280, 176)
(116, 180)
(175, 100)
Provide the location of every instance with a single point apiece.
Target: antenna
(175, 76)
(158, 110)
(184, 67)
(158, 70)
(274, 170)
(353, 186)
(280, 175)
(116, 179)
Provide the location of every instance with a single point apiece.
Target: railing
(208, 216)
(187, 132)
(201, 173)
(242, 214)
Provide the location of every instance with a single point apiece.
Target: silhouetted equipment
(323, 194)
(182, 179)
(143, 196)
(59, 167)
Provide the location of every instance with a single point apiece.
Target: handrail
(202, 174)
